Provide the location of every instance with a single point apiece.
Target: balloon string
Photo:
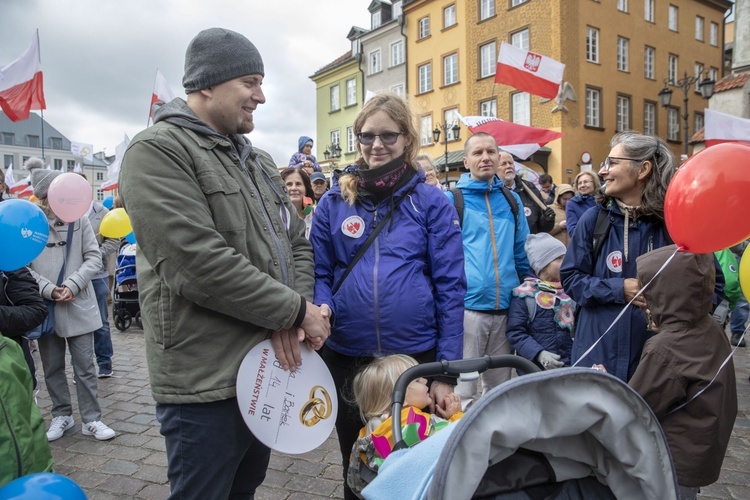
(626, 306)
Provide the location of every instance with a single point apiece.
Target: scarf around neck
(629, 212)
(383, 181)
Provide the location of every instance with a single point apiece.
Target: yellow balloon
(116, 224)
(745, 273)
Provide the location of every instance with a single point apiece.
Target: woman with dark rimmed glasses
(636, 174)
(405, 295)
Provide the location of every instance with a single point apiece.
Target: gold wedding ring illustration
(316, 409)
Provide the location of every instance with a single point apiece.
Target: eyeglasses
(607, 163)
(387, 138)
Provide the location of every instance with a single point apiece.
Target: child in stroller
(372, 388)
(125, 306)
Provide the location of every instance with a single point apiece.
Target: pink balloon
(69, 196)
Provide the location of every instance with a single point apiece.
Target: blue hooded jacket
(405, 295)
(575, 208)
(299, 158)
(493, 247)
(597, 289)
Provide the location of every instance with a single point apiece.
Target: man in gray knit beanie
(224, 256)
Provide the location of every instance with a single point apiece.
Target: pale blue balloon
(108, 202)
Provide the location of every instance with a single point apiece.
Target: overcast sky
(99, 58)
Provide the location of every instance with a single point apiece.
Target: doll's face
(417, 394)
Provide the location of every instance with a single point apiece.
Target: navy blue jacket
(597, 289)
(575, 209)
(406, 294)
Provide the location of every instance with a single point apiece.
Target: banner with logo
(290, 412)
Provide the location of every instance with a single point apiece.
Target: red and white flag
(113, 170)
(19, 186)
(721, 127)
(21, 84)
(528, 71)
(519, 140)
(162, 92)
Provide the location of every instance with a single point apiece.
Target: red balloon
(707, 207)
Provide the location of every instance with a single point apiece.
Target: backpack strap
(458, 202)
(601, 232)
(531, 307)
(513, 207)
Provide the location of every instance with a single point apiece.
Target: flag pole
(39, 45)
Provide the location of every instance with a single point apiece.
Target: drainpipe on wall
(402, 24)
(723, 41)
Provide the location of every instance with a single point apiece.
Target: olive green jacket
(218, 267)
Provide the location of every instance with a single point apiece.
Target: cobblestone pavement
(134, 464)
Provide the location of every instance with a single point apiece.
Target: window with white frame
(713, 34)
(648, 10)
(515, 3)
(375, 19)
(351, 91)
(450, 69)
(449, 16)
(713, 74)
(622, 5)
(592, 44)
(486, 9)
(593, 107)
(521, 112)
(698, 71)
(487, 59)
(649, 118)
(57, 162)
(350, 139)
(622, 53)
(520, 39)
(335, 103)
(698, 121)
(375, 62)
(423, 28)
(425, 78)
(450, 118)
(99, 195)
(335, 137)
(673, 11)
(396, 10)
(673, 124)
(488, 108)
(648, 62)
(398, 89)
(100, 176)
(397, 53)
(425, 130)
(672, 68)
(623, 113)
(699, 28)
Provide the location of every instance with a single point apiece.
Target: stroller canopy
(558, 426)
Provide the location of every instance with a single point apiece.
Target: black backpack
(601, 232)
(458, 202)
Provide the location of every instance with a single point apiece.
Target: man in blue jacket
(493, 239)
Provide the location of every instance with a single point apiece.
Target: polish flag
(519, 140)
(21, 85)
(113, 170)
(10, 179)
(25, 193)
(721, 127)
(528, 71)
(162, 92)
(20, 186)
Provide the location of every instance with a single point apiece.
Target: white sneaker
(98, 430)
(58, 427)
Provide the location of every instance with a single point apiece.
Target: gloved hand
(549, 360)
(548, 214)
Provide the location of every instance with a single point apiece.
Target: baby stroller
(125, 307)
(566, 433)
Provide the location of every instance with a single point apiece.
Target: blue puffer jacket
(597, 288)
(543, 333)
(575, 209)
(406, 293)
(493, 263)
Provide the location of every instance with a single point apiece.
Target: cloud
(99, 58)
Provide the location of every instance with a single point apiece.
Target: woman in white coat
(76, 313)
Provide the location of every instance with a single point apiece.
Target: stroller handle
(450, 368)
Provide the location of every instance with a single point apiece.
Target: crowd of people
(380, 268)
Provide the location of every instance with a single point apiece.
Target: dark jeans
(343, 368)
(739, 316)
(102, 336)
(211, 452)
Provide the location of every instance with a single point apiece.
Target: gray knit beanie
(541, 249)
(217, 55)
(41, 178)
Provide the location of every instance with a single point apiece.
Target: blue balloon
(44, 485)
(108, 202)
(23, 233)
(131, 238)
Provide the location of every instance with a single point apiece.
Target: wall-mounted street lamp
(706, 87)
(436, 138)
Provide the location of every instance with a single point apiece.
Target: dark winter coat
(575, 209)
(532, 210)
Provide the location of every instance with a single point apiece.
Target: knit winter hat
(217, 55)
(541, 249)
(41, 178)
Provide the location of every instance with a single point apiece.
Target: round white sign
(290, 412)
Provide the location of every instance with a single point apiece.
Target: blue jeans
(210, 451)
(102, 337)
(739, 316)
